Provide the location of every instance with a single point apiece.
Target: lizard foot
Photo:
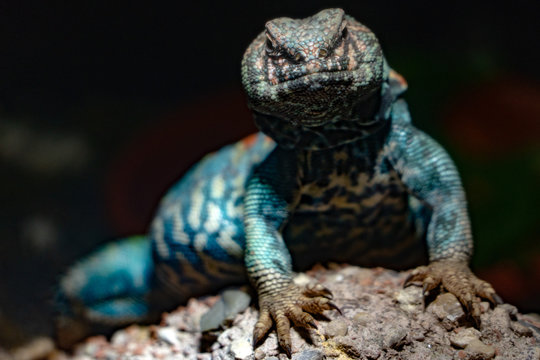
(291, 303)
(457, 278)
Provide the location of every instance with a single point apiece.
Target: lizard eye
(323, 52)
(270, 48)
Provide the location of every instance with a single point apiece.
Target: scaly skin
(313, 85)
(344, 177)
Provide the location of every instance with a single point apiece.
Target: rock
(381, 321)
(259, 354)
(308, 355)
(448, 310)
(521, 329)
(409, 298)
(533, 317)
(531, 320)
(241, 349)
(235, 301)
(463, 337)
(394, 337)
(511, 310)
(214, 317)
(169, 335)
(484, 306)
(361, 318)
(479, 350)
(348, 346)
(231, 303)
(337, 327)
(302, 279)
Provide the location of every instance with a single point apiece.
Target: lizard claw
(287, 348)
(335, 307)
(264, 323)
(314, 290)
(457, 278)
(425, 290)
(291, 304)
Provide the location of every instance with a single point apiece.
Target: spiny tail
(108, 289)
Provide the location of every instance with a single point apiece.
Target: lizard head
(314, 71)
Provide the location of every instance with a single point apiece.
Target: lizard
(336, 173)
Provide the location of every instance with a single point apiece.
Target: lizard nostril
(323, 53)
(269, 45)
(298, 57)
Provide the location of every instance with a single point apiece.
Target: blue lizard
(338, 173)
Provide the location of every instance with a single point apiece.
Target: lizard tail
(108, 289)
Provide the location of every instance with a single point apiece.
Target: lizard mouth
(318, 78)
(314, 99)
(358, 77)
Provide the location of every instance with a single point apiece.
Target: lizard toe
(263, 325)
(283, 329)
(292, 304)
(457, 278)
(486, 291)
(301, 318)
(314, 290)
(416, 276)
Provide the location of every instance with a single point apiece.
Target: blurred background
(104, 105)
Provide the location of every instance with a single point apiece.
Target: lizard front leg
(430, 175)
(271, 196)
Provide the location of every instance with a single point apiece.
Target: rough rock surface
(381, 320)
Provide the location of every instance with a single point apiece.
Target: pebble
(510, 309)
(337, 327)
(480, 350)
(394, 336)
(462, 338)
(214, 317)
(241, 349)
(235, 302)
(302, 279)
(418, 335)
(308, 355)
(350, 347)
(260, 354)
(409, 298)
(169, 335)
(120, 338)
(521, 329)
(484, 306)
(361, 318)
(448, 309)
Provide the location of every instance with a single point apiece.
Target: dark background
(103, 106)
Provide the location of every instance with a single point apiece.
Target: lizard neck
(371, 113)
(347, 159)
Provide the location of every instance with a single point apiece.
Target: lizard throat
(370, 116)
